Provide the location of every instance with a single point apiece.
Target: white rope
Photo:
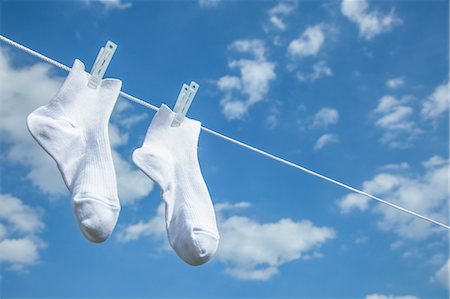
(254, 149)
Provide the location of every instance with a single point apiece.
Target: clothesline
(249, 147)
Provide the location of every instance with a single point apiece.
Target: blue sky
(354, 90)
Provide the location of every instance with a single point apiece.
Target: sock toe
(200, 249)
(95, 218)
(207, 246)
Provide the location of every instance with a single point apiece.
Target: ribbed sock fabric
(73, 129)
(169, 157)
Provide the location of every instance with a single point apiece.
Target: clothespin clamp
(183, 103)
(101, 64)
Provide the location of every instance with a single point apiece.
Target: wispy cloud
(279, 12)
(154, 227)
(273, 117)
(437, 103)
(325, 140)
(325, 117)
(395, 167)
(441, 277)
(424, 193)
(370, 23)
(254, 47)
(209, 3)
(250, 250)
(278, 22)
(20, 226)
(319, 70)
(395, 82)
(127, 120)
(252, 85)
(283, 8)
(395, 118)
(110, 4)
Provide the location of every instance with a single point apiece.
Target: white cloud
(379, 296)
(255, 251)
(234, 109)
(437, 103)
(283, 8)
(121, 106)
(132, 184)
(325, 117)
(441, 276)
(439, 258)
(20, 217)
(129, 121)
(226, 206)
(279, 12)
(424, 193)
(125, 116)
(278, 23)
(434, 161)
(3, 231)
(209, 3)
(18, 252)
(273, 116)
(252, 84)
(397, 244)
(309, 43)
(395, 167)
(392, 119)
(320, 70)
(110, 4)
(116, 137)
(353, 201)
(117, 4)
(325, 140)
(227, 83)
(386, 103)
(20, 225)
(253, 46)
(361, 240)
(255, 78)
(250, 250)
(395, 119)
(370, 23)
(395, 82)
(34, 86)
(154, 227)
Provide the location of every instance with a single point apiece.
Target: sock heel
(46, 130)
(157, 164)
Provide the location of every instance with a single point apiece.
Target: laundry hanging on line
(232, 140)
(73, 129)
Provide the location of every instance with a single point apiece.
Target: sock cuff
(78, 80)
(188, 131)
(165, 115)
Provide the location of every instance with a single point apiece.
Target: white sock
(169, 157)
(73, 129)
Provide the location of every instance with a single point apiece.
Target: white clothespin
(101, 64)
(183, 103)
